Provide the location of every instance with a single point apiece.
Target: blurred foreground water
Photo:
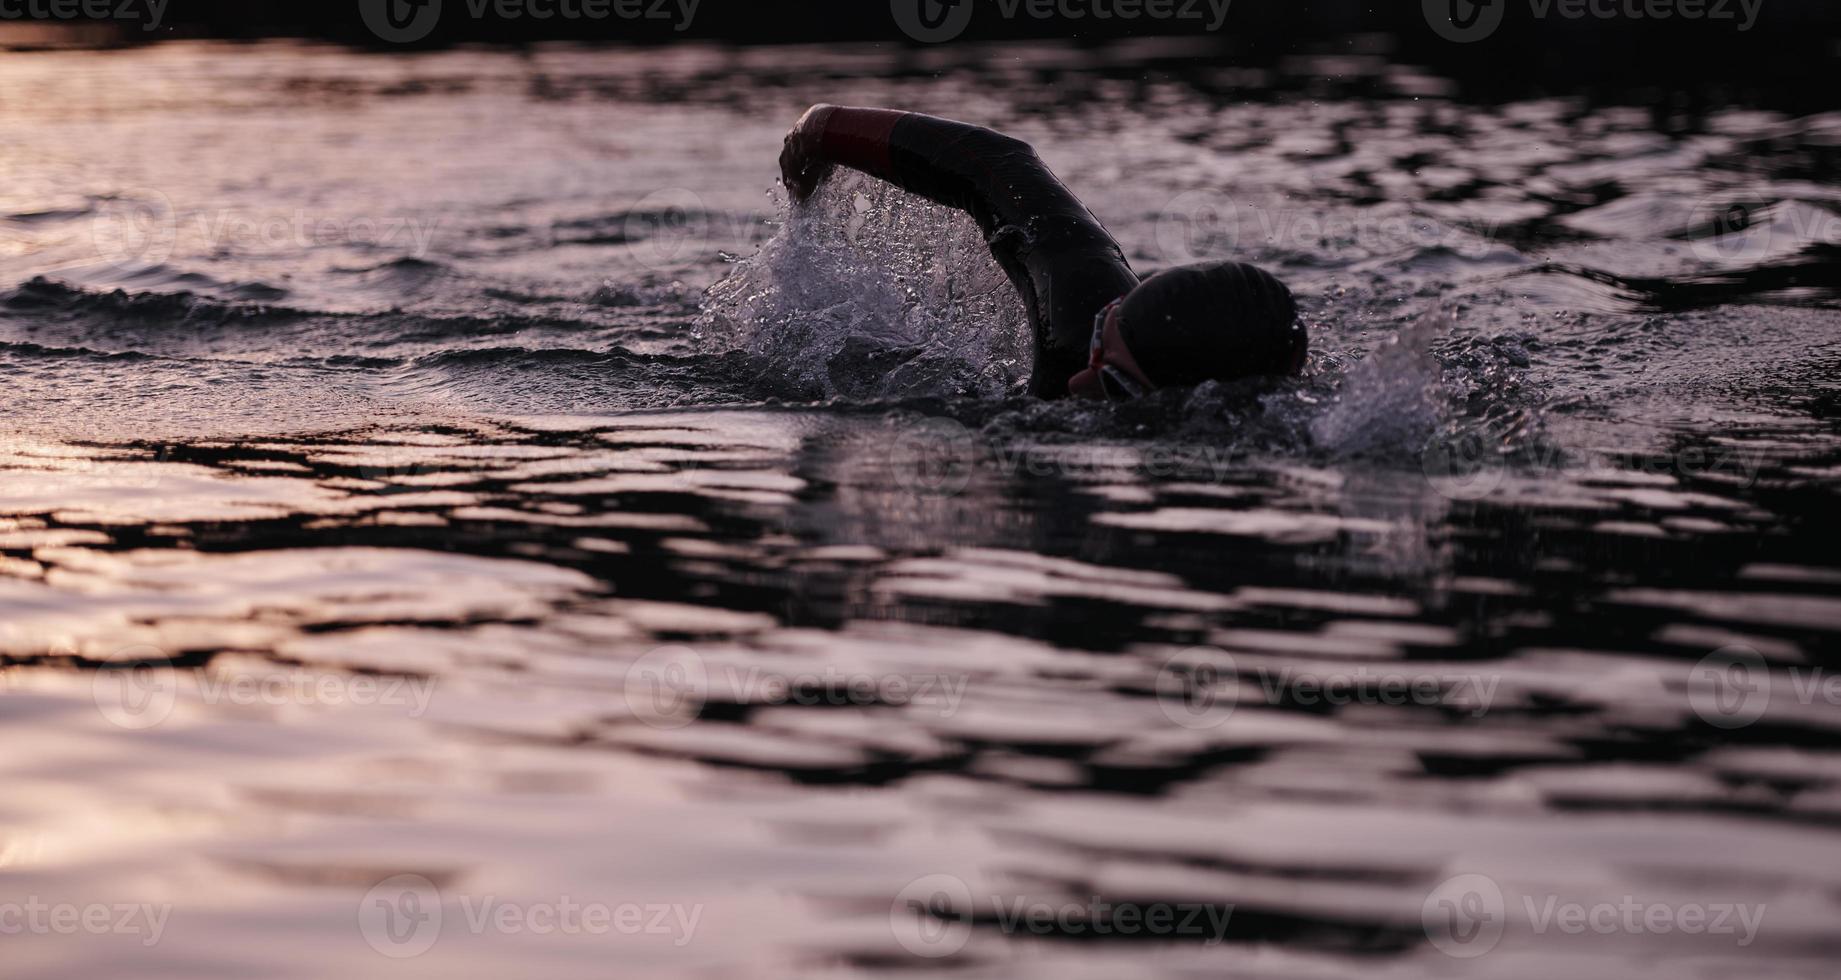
(409, 563)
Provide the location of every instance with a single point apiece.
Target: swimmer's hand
(802, 169)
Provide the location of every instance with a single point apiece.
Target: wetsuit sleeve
(998, 179)
(855, 138)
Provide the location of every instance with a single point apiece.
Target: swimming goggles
(1118, 386)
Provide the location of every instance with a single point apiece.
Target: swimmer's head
(1181, 327)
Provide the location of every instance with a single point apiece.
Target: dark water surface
(382, 494)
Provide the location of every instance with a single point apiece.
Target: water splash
(1393, 398)
(1435, 398)
(870, 292)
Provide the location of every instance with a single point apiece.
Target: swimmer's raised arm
(998, 179)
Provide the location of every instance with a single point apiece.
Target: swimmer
(1100, 332)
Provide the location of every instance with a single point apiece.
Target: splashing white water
(868, 292)
(1391, 400)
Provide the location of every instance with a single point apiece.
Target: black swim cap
(1216, 321)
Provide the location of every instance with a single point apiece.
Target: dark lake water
(455, 522)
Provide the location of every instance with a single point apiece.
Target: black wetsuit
(1061, 259)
